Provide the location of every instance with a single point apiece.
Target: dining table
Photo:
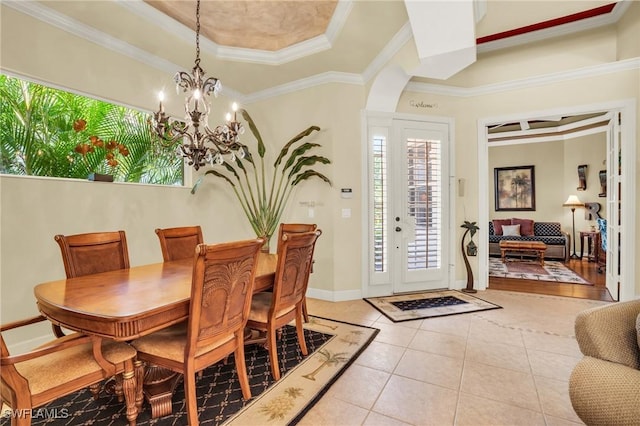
(125, 304)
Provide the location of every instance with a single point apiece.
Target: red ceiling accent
(602, 10)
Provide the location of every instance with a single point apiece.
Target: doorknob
(398, 229)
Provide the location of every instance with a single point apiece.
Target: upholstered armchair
(605, 385)
(63, 366)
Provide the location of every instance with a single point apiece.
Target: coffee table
(536, 247)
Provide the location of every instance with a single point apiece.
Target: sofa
(604, 386)
(550, 233)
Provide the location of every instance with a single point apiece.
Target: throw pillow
(498, 224)
(511, 230)
(526, 226)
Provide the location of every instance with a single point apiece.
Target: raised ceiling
(261, 25)
(258, 47)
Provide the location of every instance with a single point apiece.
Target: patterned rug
(332, 345)
(428, 304)
(532, 270)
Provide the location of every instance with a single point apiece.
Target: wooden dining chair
(179, 243)
(221, 290)
(63, 366)
(270, 311)
(292, 228)
(92, 253)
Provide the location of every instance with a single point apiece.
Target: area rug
(332, 345)
(428, 304)
(532, 270)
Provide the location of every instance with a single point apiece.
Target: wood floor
(586, 269)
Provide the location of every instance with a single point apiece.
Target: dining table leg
(158, 386)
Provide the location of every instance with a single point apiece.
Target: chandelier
(199, 144)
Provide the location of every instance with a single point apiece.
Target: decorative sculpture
(472, 228)
(582, 177)
(603, 183)
(591, 211)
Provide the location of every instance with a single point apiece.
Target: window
(50, 132)
(379, 203)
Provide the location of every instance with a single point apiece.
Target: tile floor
(507, 366)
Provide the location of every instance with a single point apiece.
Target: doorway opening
(615, 123)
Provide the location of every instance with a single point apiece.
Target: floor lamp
(573, 202)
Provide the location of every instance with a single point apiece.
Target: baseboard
(334, 296)
(25, 346)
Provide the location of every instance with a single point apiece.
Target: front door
(409, 194)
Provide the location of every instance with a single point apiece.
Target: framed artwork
(515, 188)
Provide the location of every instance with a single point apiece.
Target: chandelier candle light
(573, 201)
(200, 145)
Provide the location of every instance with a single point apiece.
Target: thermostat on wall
(346, 193)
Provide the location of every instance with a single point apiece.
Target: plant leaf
(308, 161)
(307, 174)
(196, 185)
(295, 139)
(230, 168)
(220, 175)
(298, 152)
(256, 133)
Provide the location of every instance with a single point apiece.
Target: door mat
(428, 304)
(532, 270)
(333, 346)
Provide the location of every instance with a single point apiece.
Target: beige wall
(34, 210)
(547, 159)
(628, 32)
(590, 150)
(556, 177)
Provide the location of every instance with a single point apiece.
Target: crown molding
(392, 47)
(559, 30)
(305, 83)
(591, 71)
(279, 57)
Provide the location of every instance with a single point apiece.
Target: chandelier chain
(196, 142)
(198, 33)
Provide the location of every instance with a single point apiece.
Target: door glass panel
(380, 253)
(424, 202)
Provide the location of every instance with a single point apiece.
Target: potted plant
(471, 228)
(263, 197)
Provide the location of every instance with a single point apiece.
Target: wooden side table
(590, 236)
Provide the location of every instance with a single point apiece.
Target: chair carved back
(179, 243)
(222, 286)
(295, 258)
(294, 228)
(92, 253)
